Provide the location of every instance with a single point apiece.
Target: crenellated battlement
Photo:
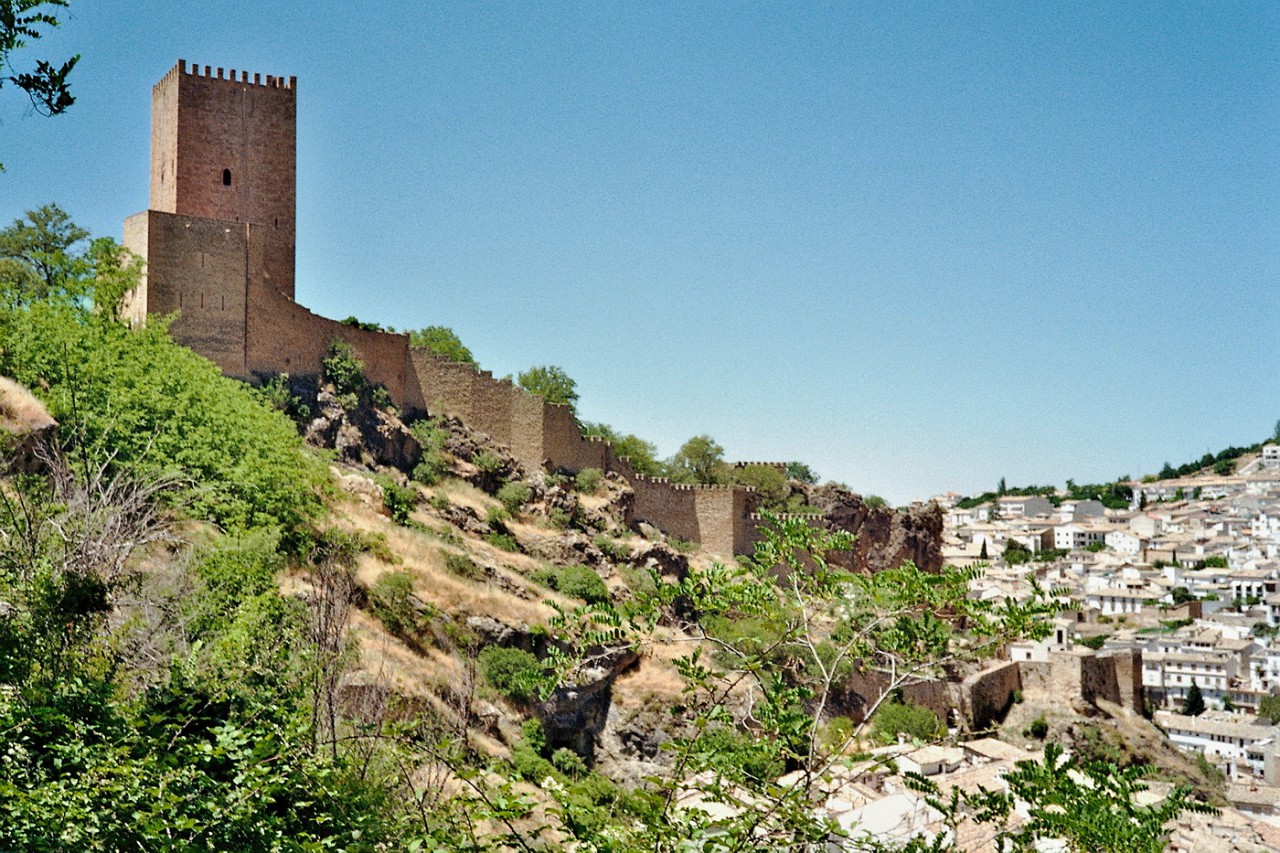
(214, 73)
(781, 466)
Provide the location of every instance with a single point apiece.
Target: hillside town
(1187, 576)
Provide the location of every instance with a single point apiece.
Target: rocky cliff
(886, 537)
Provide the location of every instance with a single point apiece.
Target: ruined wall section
(224, 147)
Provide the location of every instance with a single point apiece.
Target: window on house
(226, 177)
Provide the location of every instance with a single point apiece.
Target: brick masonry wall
(196, 268)
(204, 123)
(987, 695)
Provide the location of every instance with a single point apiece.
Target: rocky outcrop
(575, 715)
(25, 426)
(362, 435)
(887, 537)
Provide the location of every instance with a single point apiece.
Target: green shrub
(439, 503)
(463, 566)
(279, 395)
(1095, 642)
(398, 500)
(342, 368)
(514, 673)
(535, 735)
(487, 461)
(559, 519)
(431, 468)
(514, 495)
(915, 721)
(504, 542)
(588, 480)
(614, 551)
(532, 767)
(573, 581)
(391, 601)
(569, 763)
(1037, 728)
(495, 515)
(837, 732)
(582, 582)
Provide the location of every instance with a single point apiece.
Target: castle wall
(219, 248)
(987, 695)
(206, 127)
(197, 268)
(284, 337)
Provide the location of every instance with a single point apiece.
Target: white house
(1221, 737)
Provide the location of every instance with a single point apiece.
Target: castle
(218, 240)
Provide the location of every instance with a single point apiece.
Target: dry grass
(20, 411)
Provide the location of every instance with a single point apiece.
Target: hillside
(216, 633)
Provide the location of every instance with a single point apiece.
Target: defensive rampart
(541, 435)
(987, 695)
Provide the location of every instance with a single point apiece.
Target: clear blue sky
(921, 246)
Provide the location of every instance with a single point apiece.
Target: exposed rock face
(886, 537)
(575, 715)
(365, 435)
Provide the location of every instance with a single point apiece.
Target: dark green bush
(503, 541)
(398, 500)
(391, 600)
(514, 673)
(463, 566)
(514, 495)
(582, 582)
(914, 721)
(588, 480)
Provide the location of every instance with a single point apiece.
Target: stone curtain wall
(987, 695)
(284, 337)
(538, 434)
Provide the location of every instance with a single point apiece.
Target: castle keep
(218, 240)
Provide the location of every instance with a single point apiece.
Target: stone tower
(220, 228)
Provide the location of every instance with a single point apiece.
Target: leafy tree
(699, 460)
(769, 482)
(1224, 467)
(38, 256)
(1003, 488)
(1193, 705)
(802, 472)
(915, 721)
(550, 383)
(442, 341)
(1182, 595)
(642, 455)
(22, 21)
(1269, 708)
